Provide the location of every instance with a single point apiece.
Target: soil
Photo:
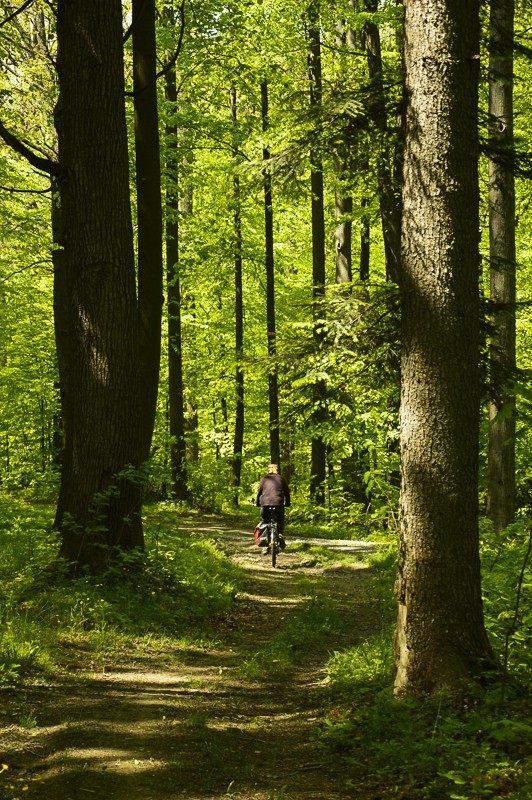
(172, 722)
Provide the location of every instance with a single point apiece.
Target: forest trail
(185, 722)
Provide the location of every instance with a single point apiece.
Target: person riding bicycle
(273, 493)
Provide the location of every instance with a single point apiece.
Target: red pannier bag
(256, 534)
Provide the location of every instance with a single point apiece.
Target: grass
(474, 747)
(175, 591)
(311, 628)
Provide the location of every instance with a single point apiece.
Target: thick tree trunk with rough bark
(100, 493)
(501, 443)
(440, 636)
(149, 212)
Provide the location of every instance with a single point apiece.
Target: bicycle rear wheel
(274, 542)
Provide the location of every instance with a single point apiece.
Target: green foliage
(177, 588)
(467, 747)
(363, 670)
(433, 748)
(507, 590)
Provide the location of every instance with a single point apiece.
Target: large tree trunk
(273, 389)
(100, 494)
(176, 401)
(318, 464)
(149, 212)
(440, 636)
(238, 441)
(501, 447)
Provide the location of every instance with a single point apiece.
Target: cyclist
(273, 493)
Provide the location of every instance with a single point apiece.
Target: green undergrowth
(175, 590)
(329, 526)
(443, 747)
(310, 628)
(324, 555)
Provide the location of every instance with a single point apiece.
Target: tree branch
(43, 164)
(12, 190)
(16, 13)
(174, 58)
(27, 266)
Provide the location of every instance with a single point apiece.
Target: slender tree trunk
(365, 244)
(100, 495)
(176, 402)
(440, 636)
(343, 207)
(149, 212)
(343, 202)
(238, 441)
(62, 318)
(389, 191)
(501, 446)
(273, 389)
(319, 394)
(186, 198)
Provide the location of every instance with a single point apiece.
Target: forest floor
(172, 721)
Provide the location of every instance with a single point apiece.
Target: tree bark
(100, 495)
(273, 389)
(176, 400)
(343, 201)
(440, 635)
(343, 207)
(149, 212)
(365, 244)
(238, 440)
(318, 466)
(501, 442)
(387, 169)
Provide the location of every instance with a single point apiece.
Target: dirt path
(175, 723)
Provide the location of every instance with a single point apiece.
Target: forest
(249, 233)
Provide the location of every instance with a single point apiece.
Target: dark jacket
(273, 491)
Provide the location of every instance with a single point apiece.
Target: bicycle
(272, 533)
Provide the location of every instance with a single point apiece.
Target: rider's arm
(286, 493)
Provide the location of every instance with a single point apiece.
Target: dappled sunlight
(239, 709)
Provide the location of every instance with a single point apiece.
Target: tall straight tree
(100, 494)
(319, 389)
(273, 385)
(176, 400)
(387, 172)
(238, 440)
(501, 441)
(149, 211)
(345, 42)
(440, 636)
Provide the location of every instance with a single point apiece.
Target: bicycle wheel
(274, 543)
